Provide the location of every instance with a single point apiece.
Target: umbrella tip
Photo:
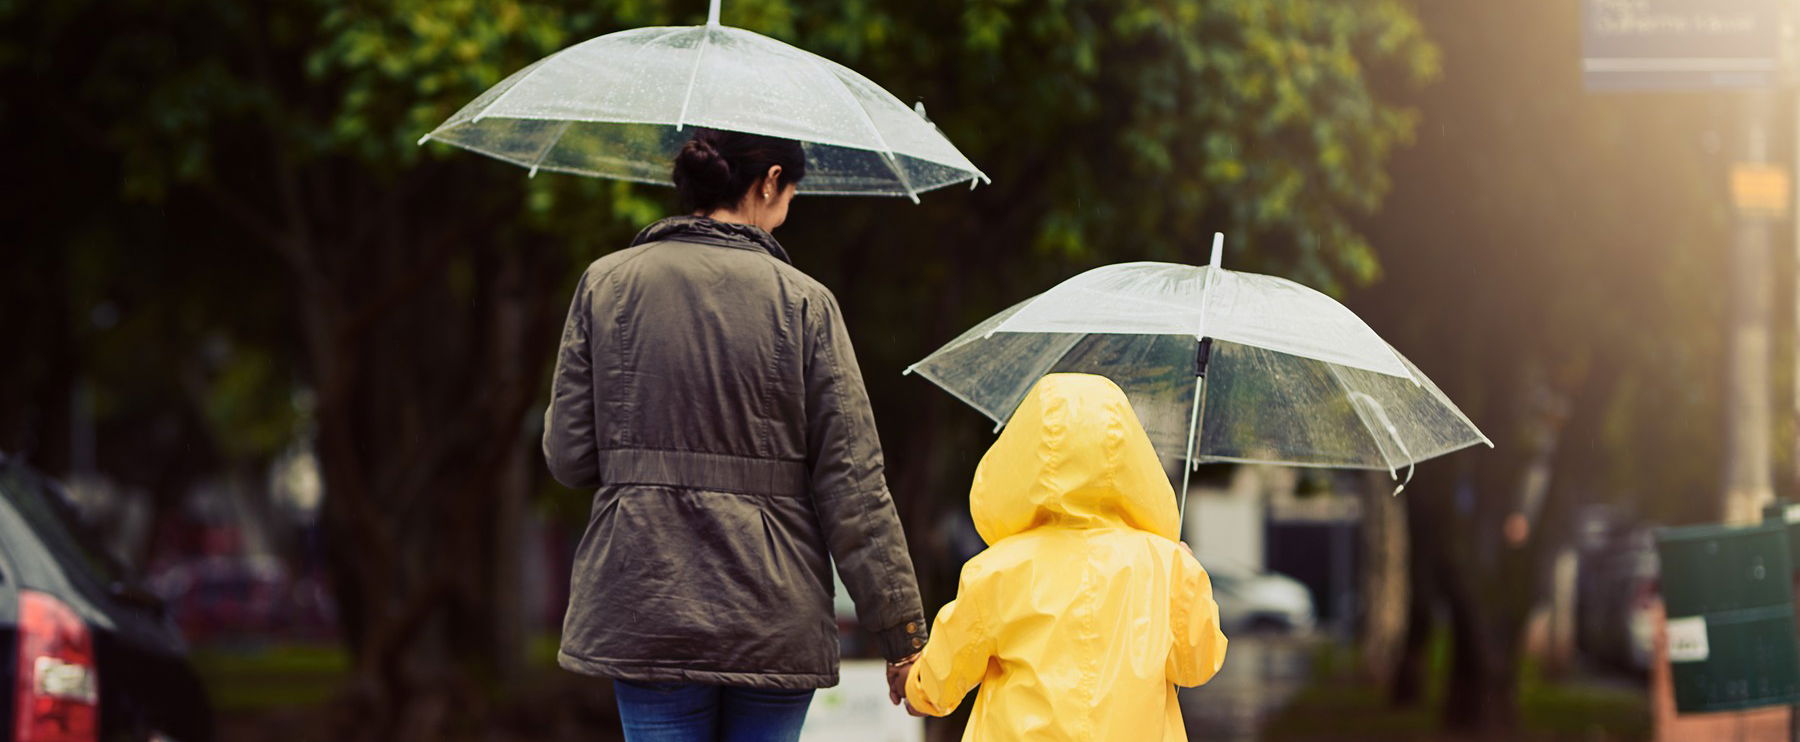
(1218, 248)
(424, 139)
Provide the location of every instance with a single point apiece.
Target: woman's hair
(716, 168)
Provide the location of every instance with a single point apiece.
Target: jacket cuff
(902, 640)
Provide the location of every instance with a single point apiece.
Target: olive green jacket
(707, 391)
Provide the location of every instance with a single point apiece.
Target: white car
(1256, 601)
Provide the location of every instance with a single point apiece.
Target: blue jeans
(679, 712)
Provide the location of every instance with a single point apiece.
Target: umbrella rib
(887, 152)
(1362, 417)
(705, 41)
(561, 129)
(1109, 295)
(546, 63)
(952, 391)
(607, 102)
(1013, 403)
(1437, 395)
(837, 73)
(515, 86)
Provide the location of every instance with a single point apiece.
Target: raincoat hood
(1073, 455)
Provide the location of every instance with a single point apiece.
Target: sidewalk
(1262, 674)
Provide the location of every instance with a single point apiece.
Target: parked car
(1257, 601)
(85, 653)
(234, 598)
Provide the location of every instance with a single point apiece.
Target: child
(1084, 613)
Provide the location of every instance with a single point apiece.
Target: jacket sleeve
(957, 657)
(1199, 648)
(849, 491)
(570, 448)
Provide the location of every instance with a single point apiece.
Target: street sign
(1680, 44)
(1759, 190)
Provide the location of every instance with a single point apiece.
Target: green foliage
(253, 201)
(1139, 128)
(1114, 129)
(281, 676)
(1336, 703)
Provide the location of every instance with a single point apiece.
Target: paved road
(1260, 675)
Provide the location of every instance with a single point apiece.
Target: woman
(706, 389)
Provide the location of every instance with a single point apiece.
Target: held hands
(896, 677)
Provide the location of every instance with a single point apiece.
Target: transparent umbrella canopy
(1220, 366)
(621, 105)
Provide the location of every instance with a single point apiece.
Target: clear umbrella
(618, 106)
(1220, 366)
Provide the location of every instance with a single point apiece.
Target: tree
(415, 296)
(1550, 262)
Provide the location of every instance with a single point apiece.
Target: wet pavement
(1261, 674)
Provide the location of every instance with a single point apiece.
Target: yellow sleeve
(956, 657)
(1199, 648)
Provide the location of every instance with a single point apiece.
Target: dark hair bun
(716, 168)
(703, 175)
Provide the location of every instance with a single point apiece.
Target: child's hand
(896, 678)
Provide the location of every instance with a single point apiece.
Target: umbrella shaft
(1187, 467)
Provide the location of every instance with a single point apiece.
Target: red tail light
(58, 687)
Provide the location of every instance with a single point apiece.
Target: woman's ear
(771, 181)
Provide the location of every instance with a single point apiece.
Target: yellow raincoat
(1084, 612)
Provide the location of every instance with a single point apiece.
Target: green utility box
(1782, 511)
(1729, 597)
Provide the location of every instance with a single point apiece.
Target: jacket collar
(699, 229)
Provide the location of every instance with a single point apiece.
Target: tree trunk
(1410, 680)
(1385, 604)
(1496, 570)
(506, 580)
(1482, 696)
(424, 386)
